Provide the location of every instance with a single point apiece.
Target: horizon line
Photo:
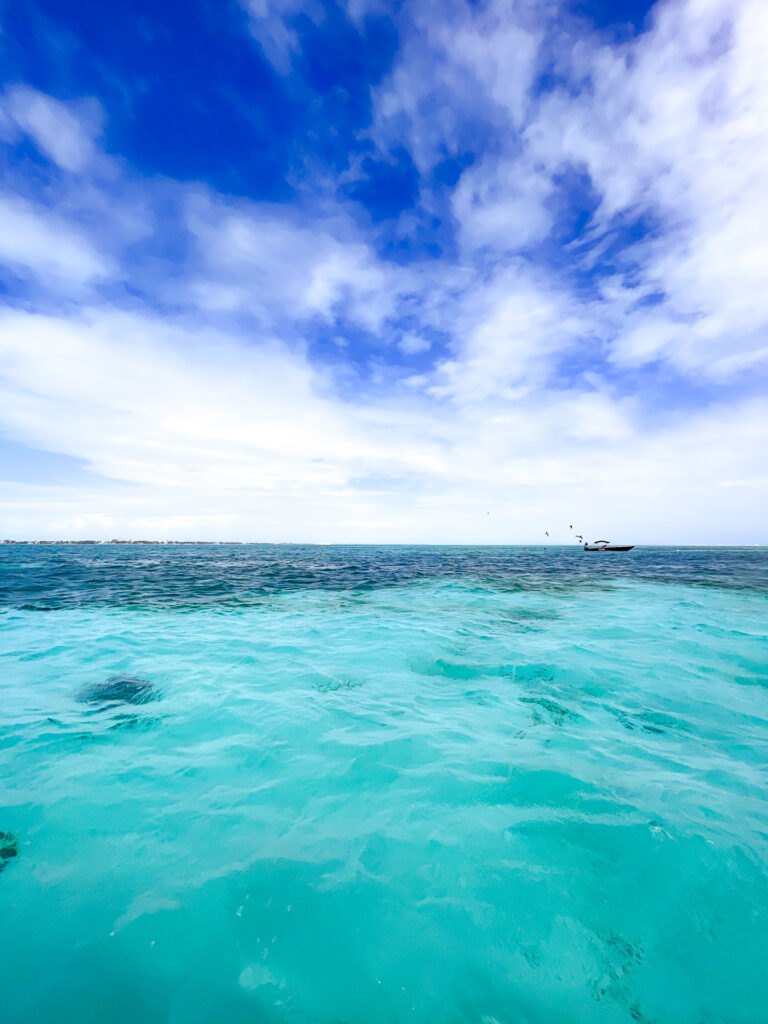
(10, 542)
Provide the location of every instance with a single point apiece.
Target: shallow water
(385, 784)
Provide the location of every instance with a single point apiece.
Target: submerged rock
(117, 690)
(8, 848)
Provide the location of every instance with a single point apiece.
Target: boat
(605, 545)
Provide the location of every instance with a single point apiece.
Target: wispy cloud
(65, 132)
(35, 241)
(271, 25)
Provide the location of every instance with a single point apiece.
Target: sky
(384, 272)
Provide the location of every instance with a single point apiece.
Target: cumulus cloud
(461, 70)
(413, 344)
(501, 204)
(273, 262)
(511, 328)
(670, 129)
(675, 127)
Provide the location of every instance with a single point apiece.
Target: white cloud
(228, 437)
(460, 68)
(176, 403)
(270, 24)
(675, 125)
(277, 264)
(413, 344)
(501, 204)
(509, 332)
(34, 240)
(671, 125)
(64, 132)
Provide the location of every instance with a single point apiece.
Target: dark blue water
(56, 576)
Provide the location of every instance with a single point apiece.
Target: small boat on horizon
(605, 545)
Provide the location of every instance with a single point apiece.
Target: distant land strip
(115, 541)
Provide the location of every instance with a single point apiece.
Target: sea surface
(360, 785)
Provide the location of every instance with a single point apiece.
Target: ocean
(372, 785)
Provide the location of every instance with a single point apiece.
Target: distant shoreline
(109, 543)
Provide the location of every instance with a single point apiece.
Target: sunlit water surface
(385, 785)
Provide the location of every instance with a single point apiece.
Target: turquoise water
(385, 784)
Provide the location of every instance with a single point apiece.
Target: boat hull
(611, 547)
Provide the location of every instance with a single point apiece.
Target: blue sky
(366, 271)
